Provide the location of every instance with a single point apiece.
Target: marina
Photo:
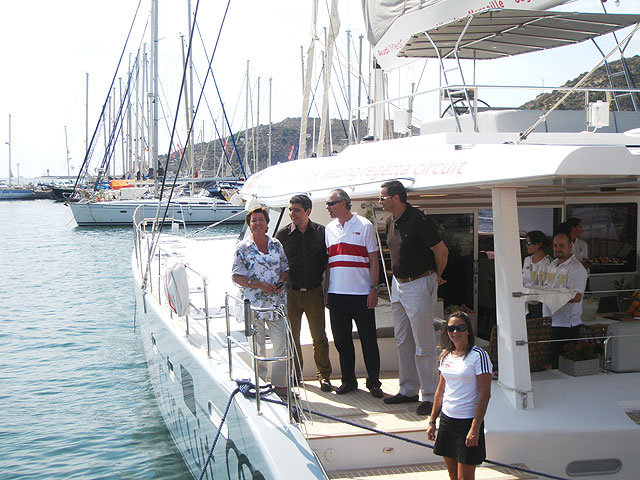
(131, 352)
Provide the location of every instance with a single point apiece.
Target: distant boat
(16, 193)
(8, 192)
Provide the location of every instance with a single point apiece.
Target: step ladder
(459, 94)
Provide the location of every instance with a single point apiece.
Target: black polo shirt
(410, 239)
(306, 253)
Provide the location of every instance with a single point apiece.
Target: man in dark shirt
(418, 258)
(304, 245)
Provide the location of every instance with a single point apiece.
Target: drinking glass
(551, 275)
(534, 275)
(542, 275)
(562, 277)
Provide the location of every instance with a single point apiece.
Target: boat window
(188, 393)
(610, 231)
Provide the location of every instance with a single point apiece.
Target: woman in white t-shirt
(537, 244)
(461, 399)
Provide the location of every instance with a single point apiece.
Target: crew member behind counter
(418, 258)
(304, 244)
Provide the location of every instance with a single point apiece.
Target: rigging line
(215, 124)
(104, 105)
(333, 93)
(115, 133)
(157, 227)
(215, 83)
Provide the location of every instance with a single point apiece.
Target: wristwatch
(375, 287)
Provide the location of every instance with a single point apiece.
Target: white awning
(505, 32)
(427, 164)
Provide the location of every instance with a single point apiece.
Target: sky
(49, 47)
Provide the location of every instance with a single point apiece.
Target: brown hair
(446, 345)
(261, 210)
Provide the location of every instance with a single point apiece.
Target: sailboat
(516, 168)
(9, 192)
(117, 206)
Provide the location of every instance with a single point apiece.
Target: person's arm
(435, 410)
(374, 275)
(577, 280)
(484, 393)
(440, 255)
(325, 287)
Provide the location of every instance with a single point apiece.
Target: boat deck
(361, 408)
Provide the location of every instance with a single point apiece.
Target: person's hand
(372, 299)
(472, 438)
(326, 299)
(279, 288)
(431, 432)
(441, 281)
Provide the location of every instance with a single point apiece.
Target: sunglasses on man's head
(453, 328)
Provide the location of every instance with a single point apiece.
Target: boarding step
(430, 471)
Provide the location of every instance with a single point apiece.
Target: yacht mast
(153, 140)
(9, 143)
(325, 122)
(66, 145)
(306, 90)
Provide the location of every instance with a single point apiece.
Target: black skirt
(451, 437)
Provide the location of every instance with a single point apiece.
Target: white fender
(177, 287)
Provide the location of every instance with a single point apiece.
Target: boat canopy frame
(499, 33)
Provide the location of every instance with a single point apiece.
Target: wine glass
(551, 275)
(534, 275)
(562, 277)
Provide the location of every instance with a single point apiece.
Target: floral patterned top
(249, 261)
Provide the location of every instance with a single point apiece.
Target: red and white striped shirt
(348, 247)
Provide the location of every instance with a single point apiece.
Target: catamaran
(486, 177)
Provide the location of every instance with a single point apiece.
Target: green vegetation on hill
(598, 79)
(285, 135)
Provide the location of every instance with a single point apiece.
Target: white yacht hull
(120, 212)
(193, 390)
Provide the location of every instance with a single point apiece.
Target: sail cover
(380, 14)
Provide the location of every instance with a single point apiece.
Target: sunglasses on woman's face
(453, 328)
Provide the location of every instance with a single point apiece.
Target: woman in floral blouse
(260, 267)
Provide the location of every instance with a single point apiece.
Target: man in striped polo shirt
(352, 290)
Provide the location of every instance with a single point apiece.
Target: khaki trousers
(311, 303)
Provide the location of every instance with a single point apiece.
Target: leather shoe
(399, 398)
(325, 385)
(376, 392)
(346, 388)
(424, 408)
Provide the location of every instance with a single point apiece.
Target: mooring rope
(248, 389)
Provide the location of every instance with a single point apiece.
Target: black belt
(411, 279)
(303, 289)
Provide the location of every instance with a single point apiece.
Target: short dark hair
(573, 222)
(342, 195)
(303, 200)
(395, 187)
(261, 210)
(563, 227)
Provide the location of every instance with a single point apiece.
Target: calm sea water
(75, 397)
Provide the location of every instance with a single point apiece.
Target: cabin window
(610, 231)
(188, 393)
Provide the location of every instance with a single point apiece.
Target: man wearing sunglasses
(418, 258)
(352, 282)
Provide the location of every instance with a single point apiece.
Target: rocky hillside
(598, 79)
(285, 136)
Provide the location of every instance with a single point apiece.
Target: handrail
(250, 331)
